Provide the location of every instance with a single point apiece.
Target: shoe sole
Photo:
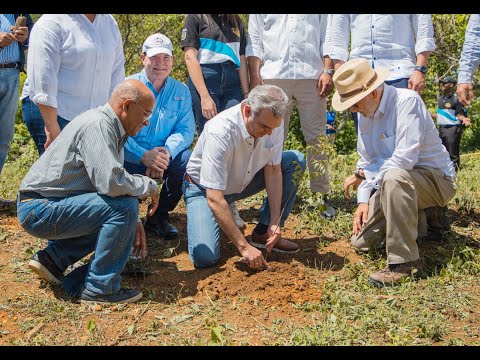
(43, 272)
(380, 284)
(126, 301)
(167, 238)
(262, 246)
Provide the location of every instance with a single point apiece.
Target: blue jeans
(36, 126)
(80, 224)
(223, 84)
(398, 83)
(9, 82)
(202, 228)
(171, 192)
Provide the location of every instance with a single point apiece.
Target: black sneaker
(163, 229)
(122, 296)
(43, 265)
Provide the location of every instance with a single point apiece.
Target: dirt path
(181, 305)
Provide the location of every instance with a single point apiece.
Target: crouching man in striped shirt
(79, 196)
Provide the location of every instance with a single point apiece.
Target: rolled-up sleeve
(43, 63)
(423, 28)
(255, 36)
(104, 165)
(470, 58)
(337, 37)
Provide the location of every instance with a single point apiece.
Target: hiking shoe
(123, 296)
(163, 229)
(236, 216)
(326, 210)
(282, 246)
(43, 265)
(437, 219)
(394, 273)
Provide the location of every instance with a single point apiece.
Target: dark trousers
(36, 126)
(171, 192)
(451, 135)
(399, 84)
(223, 84)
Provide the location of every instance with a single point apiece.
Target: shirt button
(373, 26)
(374, 43)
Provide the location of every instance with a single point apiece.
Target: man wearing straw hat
(403, 166)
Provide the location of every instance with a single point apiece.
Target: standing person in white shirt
(239, 154)
(469, 60)
(401, 43)
(74, 63)
(290, 47)
(402, 162)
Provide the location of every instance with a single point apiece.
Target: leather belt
(29, 195)
(189, 179)
(13, 65)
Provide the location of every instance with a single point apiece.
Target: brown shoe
(437, 219)
(393, 274)
(282, 246)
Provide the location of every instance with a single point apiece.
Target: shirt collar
(144, 79)
(382, 107)
(243, 129)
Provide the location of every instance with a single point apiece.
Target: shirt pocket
(387, 146)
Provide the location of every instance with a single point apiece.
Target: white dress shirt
(400, 135)
(471, 51)
(226, 156)
(74, 64)
(290, 45)
(387, 40)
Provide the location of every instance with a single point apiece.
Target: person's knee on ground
(202, 256)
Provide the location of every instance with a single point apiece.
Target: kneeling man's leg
(202, 228)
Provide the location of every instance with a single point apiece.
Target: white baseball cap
(157, 44)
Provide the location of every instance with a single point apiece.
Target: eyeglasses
(147, 115)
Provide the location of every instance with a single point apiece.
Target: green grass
(440, 308)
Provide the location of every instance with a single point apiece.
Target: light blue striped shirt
(172, 124)
(471, 51)
(10, 53)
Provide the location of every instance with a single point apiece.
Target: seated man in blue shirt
(160, 150)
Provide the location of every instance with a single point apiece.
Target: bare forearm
(243, 72)
(422, 58)
(338, 63)
(49, 115)
(223, 215)
(195, 72)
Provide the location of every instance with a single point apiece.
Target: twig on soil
(35, 330)
(122, 336)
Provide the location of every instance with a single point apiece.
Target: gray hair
(269, 97)
(125, 90)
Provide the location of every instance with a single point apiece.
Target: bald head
(131, 89)
(133, 102)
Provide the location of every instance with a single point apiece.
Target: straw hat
(354, 80)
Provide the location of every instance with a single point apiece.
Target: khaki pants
(393, 211)
(312, 110)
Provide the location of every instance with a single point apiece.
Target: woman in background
(214, 46)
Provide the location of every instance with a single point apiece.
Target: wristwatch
(329, 71)
(421, 68)
(358, 175)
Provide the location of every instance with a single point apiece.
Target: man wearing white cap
(160, 150)
(403, 166)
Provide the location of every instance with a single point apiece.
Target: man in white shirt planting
(403, 166)
(239, 154)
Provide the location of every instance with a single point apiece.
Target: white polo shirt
(226, 157)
